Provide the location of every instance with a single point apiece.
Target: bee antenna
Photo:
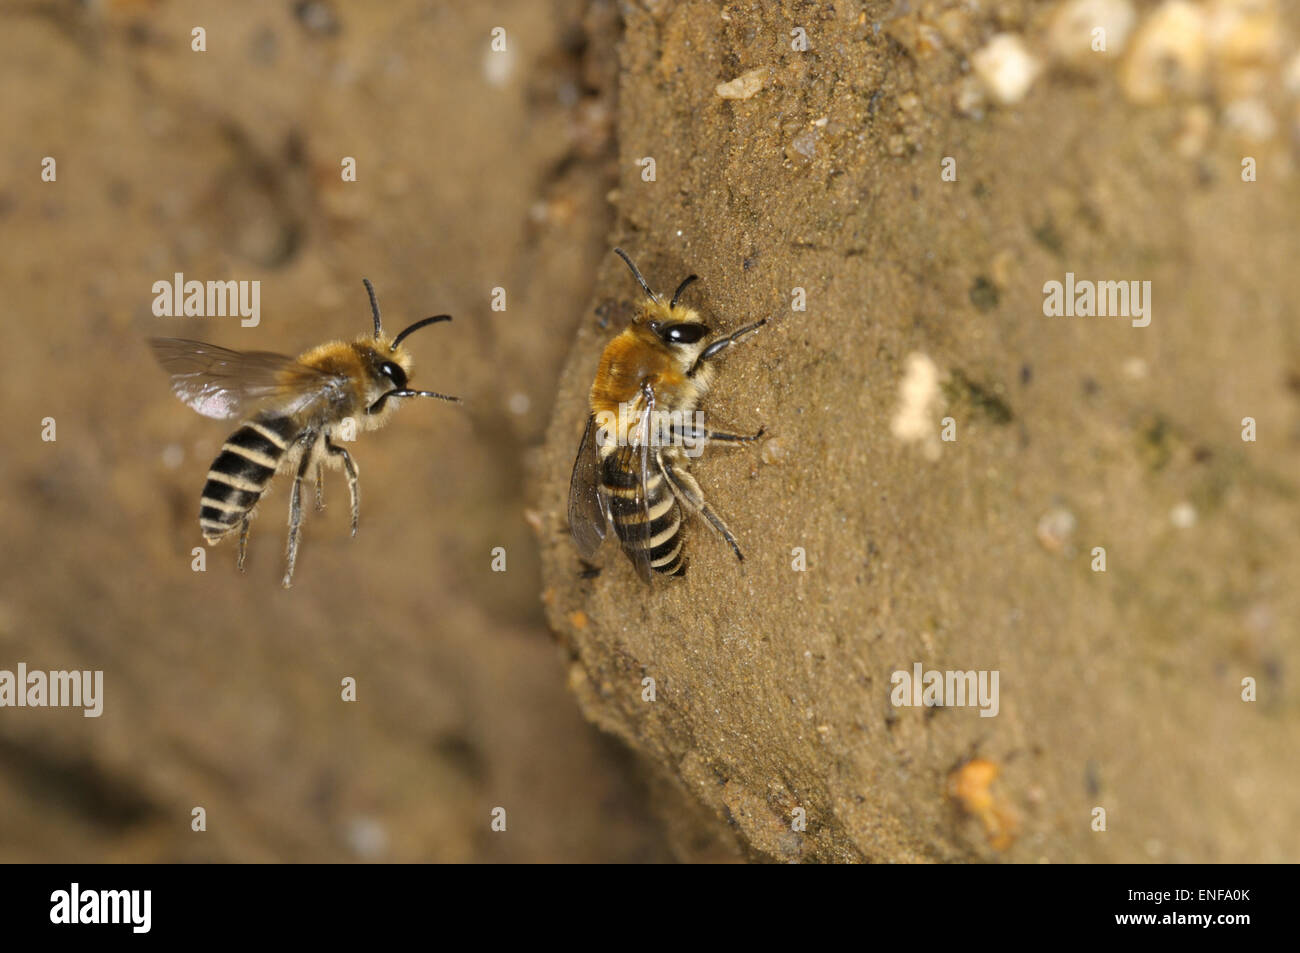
(636, 273)
(374, 308)
(682, 287)
(423, 322)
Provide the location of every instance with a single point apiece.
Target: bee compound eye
(684, 333)
(394, 373)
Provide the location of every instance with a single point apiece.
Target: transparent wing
(637, 460)
(223, 383)
(588, 513)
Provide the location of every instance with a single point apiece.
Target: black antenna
(374, 308)
(641, 281)
(378, 405)
(423, 322)
(682, 287)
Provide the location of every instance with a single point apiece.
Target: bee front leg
(687, 490)
(720, 345)
(353, 486)
(295, 507)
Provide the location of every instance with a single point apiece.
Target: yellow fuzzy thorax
(356, 363)
(638, 355)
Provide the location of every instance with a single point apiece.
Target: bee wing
(223, 383)
(588, 510)
(637, 459)
(638, 546)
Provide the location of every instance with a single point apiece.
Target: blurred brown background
(475, 170)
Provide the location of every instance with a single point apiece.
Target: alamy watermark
(949, 689)
(54, 689)
(212, 299)
(1103, 299)
(658, 428)
(130, 907)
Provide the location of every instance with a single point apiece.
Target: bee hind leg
(295, 510)
(687, 490)
(243, 542)
(354, 488)
(320, 486)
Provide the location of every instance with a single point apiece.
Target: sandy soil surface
(1120, 690)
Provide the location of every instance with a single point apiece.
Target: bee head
(676, 326)
(388, 363)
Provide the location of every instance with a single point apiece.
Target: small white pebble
(774, 451)
(1082, 31)
(916, 418)
(173, 456)
(1055, 528)
(1183, 516)
(519, 403)
(805, 143)
(1006, 68)
(745, 85)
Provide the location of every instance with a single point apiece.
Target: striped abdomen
(242, 471)
(661, 545)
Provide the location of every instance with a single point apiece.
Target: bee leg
(721, 344)
(353, 486)
(688, 491)
(320, 487)
(735, 437)
(243, 542)
(295, 509)
(696, 433)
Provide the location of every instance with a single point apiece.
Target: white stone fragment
(745, 85)
(1006, 68)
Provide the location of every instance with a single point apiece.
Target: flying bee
(290, 408)
(631, 470)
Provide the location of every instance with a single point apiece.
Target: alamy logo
(660, 428)
(1104, 299)
(935, 689)
(57, 689)
(213, 299)
(132, 907)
